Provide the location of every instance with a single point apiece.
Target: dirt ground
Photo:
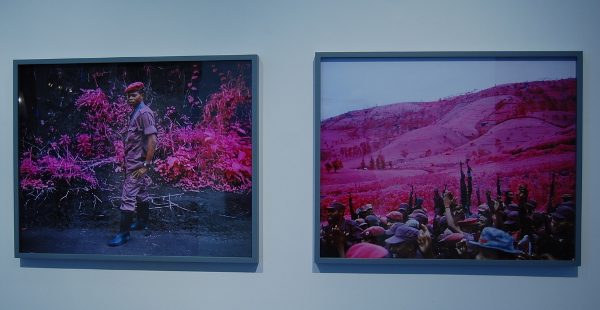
(202, 223)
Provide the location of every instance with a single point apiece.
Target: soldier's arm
(151, 147)
(449, 201)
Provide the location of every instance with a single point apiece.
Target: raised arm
(450, 201)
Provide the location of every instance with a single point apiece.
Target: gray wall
(285, 34)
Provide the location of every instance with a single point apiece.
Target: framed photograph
(448, 158)
(141, 159)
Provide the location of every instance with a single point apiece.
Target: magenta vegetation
(216, 152)
(212, 151)
(520, 133)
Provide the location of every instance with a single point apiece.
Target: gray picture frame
(45, 93)
(324, 100)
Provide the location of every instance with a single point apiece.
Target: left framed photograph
(138, 159)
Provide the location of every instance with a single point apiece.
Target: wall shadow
(561, 272)
(140, 265)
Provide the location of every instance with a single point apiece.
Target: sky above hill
(358, 83)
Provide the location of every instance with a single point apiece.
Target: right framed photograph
(448, 158)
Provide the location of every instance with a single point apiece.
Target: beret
(135, 86)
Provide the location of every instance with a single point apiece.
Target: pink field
(521, 132)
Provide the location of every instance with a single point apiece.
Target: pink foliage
(216, 153)
(84, 145)
(202, 158)
(72, 157)
(524, 132)
(104, 120)
(47, 170)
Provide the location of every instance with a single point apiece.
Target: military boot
(143, 210)
(123, 235)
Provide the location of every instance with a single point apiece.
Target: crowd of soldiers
(502, 228)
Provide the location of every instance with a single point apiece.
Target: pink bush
(48, 170)
(215, 153)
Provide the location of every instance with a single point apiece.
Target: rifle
(523, 195)
(438, 204)
(353, 214)
(463, 187)
(550, 208)
(410, 198)
(478, 197)
(469, 188)
(499, 192)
